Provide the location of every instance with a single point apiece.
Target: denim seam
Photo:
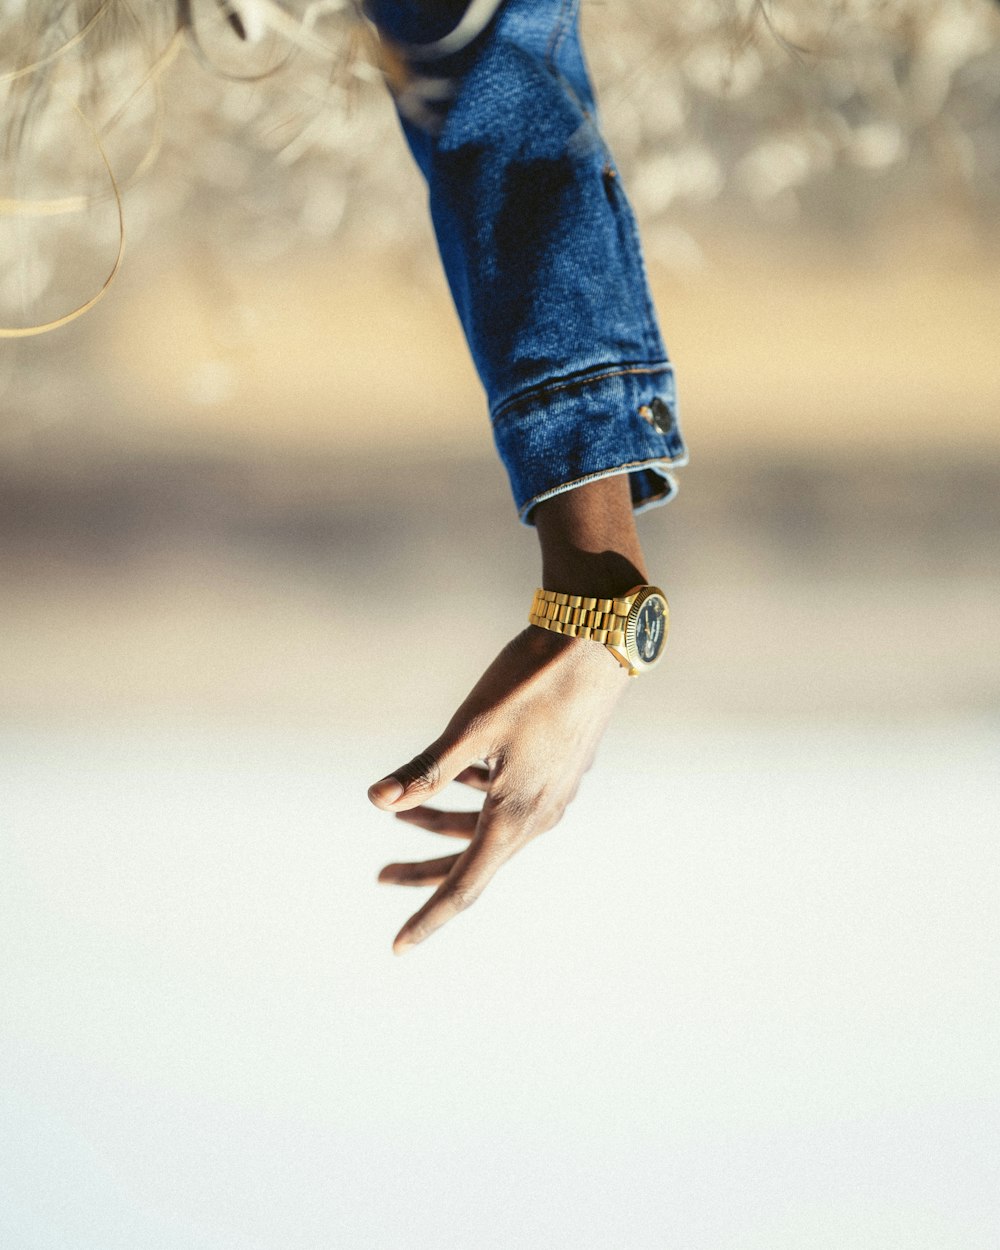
(558, 32)
(568, 15)
(673, 462)
(572, 10)
(524, 398)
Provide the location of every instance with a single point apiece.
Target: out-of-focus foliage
(829, 111)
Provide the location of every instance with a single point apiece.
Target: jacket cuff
(612, 419)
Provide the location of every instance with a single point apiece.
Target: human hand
(525, 735)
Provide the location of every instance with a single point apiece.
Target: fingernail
(400, 947)
(388, 790)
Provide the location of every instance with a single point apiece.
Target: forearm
(588, 539)
(541, 251)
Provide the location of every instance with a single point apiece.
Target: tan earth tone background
(314, 425)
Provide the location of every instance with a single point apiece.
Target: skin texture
(530, 727)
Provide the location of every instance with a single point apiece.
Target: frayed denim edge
(659, 466)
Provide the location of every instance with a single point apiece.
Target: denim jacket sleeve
(540, 248)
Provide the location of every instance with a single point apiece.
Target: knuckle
(513, 803)
(462, 896)
(521, 814)
(423, 772)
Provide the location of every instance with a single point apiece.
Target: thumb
(424, 776)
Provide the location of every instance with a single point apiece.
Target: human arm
(542, 256)
(541, 251)
(530, 727)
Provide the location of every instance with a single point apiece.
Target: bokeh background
(744, 996)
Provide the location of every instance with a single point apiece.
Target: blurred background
(744, 996)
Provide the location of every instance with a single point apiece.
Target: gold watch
(633, 627)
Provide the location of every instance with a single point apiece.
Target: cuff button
(659, 414)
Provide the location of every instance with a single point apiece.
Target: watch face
(651, 629)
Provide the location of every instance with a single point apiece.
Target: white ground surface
(743, 999)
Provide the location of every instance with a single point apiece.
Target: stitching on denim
(638, 257)
(633, 256)
(572, 8)
(621, 206)
(576, 380)
(557, 33)
(568, 12)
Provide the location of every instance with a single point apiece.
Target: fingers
(476, 775)
(425, 775)
(495, 842)
(430, 872)
(451, 824)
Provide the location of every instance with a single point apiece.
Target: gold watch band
(602, 620)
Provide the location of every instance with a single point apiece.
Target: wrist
(588, 539)
(605, 574)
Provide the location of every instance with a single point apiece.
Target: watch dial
(651, 629)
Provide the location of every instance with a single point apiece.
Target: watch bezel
(642, 595)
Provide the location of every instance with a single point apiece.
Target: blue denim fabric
(541, 252)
